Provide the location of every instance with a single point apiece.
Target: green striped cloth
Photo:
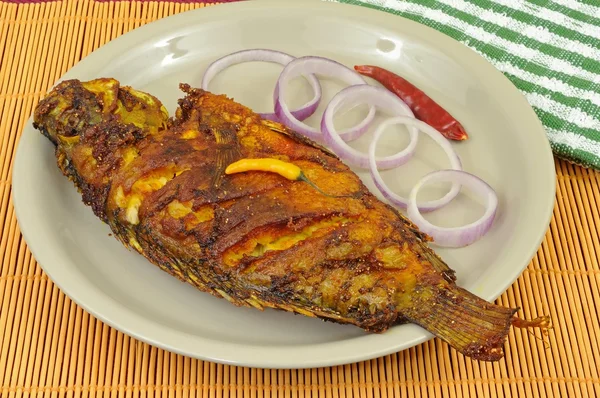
(550, 50)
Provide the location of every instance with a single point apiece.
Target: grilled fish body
(256, 238)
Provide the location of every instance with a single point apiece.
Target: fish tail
(475, 327)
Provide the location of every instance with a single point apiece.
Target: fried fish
(256, 238)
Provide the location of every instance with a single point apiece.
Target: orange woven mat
(51, 347)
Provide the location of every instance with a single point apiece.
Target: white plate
(508, 148)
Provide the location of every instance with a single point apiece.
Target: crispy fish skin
(256, 238)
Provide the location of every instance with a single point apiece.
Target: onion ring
(455, 236)
(323, 66)
(265, 55)
(396, 199)
(380, 98)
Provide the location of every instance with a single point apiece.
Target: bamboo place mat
(51, 347)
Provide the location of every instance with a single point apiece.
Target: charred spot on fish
(45, 105)
(169, 194)
(489, 351)
(364, 290)
(107, 137)
(173, 227)
(68, 109)
(281, 289)
(130, 101)
(175, 151)
(345, 294)
(96, 198)
(46, 134)
(449, 276)
(76, 102)
(207, 242)
(186, 88)
(337, 236)
(202, 197)
(93, 195)
(205, 128)
(158, 253)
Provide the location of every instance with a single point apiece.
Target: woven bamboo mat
(51, 347)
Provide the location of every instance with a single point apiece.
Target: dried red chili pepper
(424, 108)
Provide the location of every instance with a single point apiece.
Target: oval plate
(508, 148)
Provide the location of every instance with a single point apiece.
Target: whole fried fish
(256, 238)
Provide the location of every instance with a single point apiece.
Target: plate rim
(254, 356)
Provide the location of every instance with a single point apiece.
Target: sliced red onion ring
(380, 98)
(322, 66)
(455, 236)
(265, 55)
(396, 199)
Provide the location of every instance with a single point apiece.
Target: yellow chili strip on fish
(284, 169)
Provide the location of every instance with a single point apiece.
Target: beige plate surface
(508, 148)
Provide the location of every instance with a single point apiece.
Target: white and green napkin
(550, 50)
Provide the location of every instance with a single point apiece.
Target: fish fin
(227, 152)
(281, 129)
(473, 326)
(439, 265)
